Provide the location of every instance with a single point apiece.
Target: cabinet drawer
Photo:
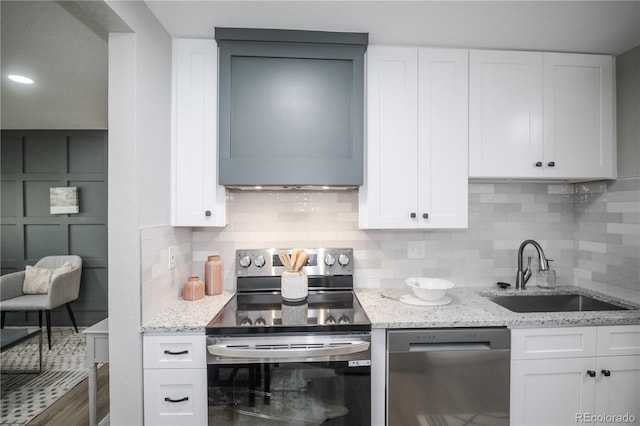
(175, 397)
(619, 340)
(172, 351)
(542, 343)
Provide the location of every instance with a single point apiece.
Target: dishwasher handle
(448, 339)
(453, 346)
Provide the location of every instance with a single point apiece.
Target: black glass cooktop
(267, 312)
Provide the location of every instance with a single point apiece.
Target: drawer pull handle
(538, 163)
(168, 352)
(413, 215)
(606, 373)
(186, 398)
(551, 164)
(591, 373)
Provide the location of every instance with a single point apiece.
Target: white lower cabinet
(175, 397)
(574, 375)
(175, 380)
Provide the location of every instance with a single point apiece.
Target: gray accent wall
(32, 162)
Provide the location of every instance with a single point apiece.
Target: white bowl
(429, 289)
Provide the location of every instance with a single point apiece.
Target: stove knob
(343, 260)
(330, 320)
(259, 261)
(344, 320)
(261, 321)
(329, 260)
(245, 261)
(245, 322)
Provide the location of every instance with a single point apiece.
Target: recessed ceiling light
(20, 79)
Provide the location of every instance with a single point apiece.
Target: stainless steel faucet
(523, 275)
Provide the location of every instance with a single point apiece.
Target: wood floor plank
(73, 408)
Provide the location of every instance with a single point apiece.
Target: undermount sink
(553, 303)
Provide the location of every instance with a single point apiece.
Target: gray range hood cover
(291, 107)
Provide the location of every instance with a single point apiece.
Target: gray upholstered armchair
(64, 288)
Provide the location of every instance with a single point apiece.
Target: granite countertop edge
(469, 308)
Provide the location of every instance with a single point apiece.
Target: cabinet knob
(186, 398)
(413, 215)
(539, 164)
(207, 213)
(551, 164)
(606, 373)
(591, 373)
(425, 215)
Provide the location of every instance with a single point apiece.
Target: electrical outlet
(415, 249)
(172, 257)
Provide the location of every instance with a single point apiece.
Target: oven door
(311, 386)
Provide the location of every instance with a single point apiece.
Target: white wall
(628, 112)
(139, 182)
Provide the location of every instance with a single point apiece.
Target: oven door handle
(280, 351)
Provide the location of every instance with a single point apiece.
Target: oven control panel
(266, 262)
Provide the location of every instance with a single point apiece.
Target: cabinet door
(578, 116)
(175, 397)
(505, 114)
(618, 387)
(443, 138)
(389, 196)
(197, 200)
(551, 391)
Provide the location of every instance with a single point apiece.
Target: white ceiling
(611, 27)
(67, 60)
(58, 44)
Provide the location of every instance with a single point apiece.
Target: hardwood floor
(73, 408)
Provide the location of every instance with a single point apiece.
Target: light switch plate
(415, 249)
(172, 257)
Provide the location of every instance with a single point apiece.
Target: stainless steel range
(272, 362)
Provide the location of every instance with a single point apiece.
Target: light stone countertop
(469, 308)
(187, 316)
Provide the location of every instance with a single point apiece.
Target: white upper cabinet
(197, 199)
(578, 116)
(541, 115)
(505, 114)
(416, 168)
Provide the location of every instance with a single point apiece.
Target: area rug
(24, 396)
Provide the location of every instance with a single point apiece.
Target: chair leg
(40, 319)
(73, 320)
(48, 314)
(3, 315)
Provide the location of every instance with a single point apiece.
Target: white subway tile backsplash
(623, 228)
(591, 230)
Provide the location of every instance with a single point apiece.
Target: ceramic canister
(193, 289)
(294, 285)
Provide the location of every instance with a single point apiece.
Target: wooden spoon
(285, 259)
(301, 259)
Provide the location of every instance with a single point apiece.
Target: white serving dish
(429, 289)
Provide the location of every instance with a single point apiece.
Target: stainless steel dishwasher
(453, 376)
